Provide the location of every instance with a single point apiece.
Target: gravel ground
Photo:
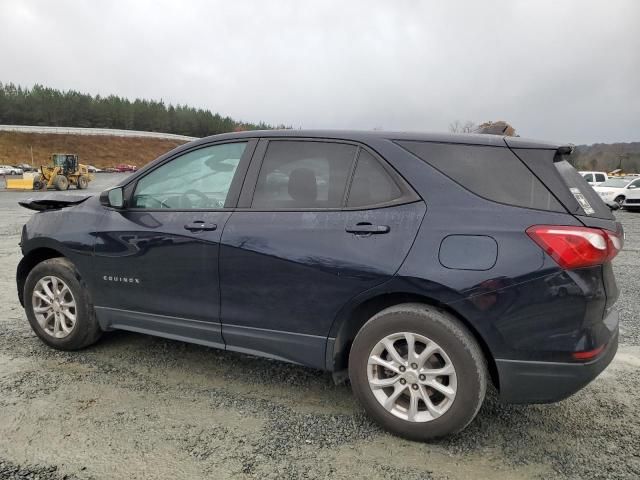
(134, 406)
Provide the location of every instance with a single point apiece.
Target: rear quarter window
(371, 184)
(494, 173)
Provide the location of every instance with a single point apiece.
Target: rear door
(319, 221)
(156, 261)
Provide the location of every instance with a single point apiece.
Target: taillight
(588, 354)
(575, 247)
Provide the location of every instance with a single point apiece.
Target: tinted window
(371, 183)
(581, 190)
(494, 173)
(303, 174)
(588, 177)
(198, 179)
(600, 177)
(634, 184)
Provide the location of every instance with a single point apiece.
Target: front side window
(600, 177)
(303, 174)
(588, 177)
(195, 180)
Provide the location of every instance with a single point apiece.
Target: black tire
(61, 182)
(453, 337)
(86, 330)
(83, 182)
(619, 200)
(39, 183)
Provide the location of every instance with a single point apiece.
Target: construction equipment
(64, 171)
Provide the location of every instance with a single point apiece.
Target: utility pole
(31, 148)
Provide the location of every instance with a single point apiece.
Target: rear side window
(494, 173)
(371, 183)
(588, 177)
(303, 174)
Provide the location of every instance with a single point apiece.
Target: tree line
(43, 106)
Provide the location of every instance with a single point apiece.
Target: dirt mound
(97, 150)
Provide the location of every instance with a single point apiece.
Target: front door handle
(364, 228)
(199, 226)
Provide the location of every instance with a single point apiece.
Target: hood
(53, 202)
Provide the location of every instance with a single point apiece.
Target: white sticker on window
(582, 201)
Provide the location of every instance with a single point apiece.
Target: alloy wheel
(412, 377)
(54, 306)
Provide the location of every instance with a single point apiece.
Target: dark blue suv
(420, 267)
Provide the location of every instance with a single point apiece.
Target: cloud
(559, 70)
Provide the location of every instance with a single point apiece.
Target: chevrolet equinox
(420, 267)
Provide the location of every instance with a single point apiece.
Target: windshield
(616, 183)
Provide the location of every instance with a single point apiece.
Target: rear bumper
(545, 382)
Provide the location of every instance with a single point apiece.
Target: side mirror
(113, 198)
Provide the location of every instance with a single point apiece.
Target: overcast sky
(561, 70)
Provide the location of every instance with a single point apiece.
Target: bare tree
(459, 127)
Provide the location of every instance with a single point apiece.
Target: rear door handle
(364, 228)
(199, 226)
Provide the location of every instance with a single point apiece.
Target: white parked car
(632, 201)
(594, 178)
(93, 169)
(616, 189)
(10, 170)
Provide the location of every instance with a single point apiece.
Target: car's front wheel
(58, 307)
(418, 371)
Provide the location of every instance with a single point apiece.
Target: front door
(305, 244)
(156, 261)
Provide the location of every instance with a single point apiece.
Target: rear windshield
(494, 173)
(589, 200)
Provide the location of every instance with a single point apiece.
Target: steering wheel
(205, 202)
(161, 203)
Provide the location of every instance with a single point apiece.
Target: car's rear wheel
(418, 371)
(58, 307)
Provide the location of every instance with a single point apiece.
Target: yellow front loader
(63, 172)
